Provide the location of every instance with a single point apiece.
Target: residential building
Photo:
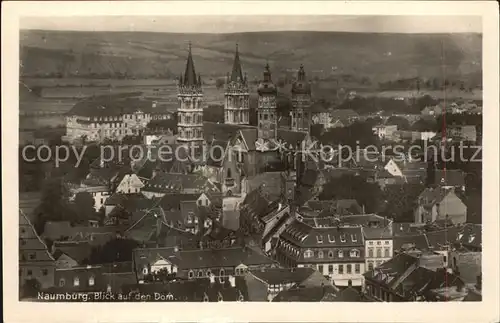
(193, 264)
(130, 184)
(378, 246)
(409, 277)
(462, 132)
(35, 260)
(337, 252)
(99, 193)
(440, 204)
(384, 131)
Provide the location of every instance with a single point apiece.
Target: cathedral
(249, 150)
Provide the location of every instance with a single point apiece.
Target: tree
(353, 187)
(84, 206)
(54, 205)
(399, 201)
(116, 250)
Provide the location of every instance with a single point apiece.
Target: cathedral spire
(190, 73)
(237, 74)
(301, 75)
(267, 73)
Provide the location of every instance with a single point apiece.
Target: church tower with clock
(267, 114)
(301, 102)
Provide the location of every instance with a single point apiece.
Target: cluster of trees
(357, 134)
(399, 201)
(55, 206)
(435, 83)
(115, 250)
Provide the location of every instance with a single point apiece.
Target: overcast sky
(229, 24)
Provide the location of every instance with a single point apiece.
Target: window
(330, 254)
(330, 269)
(387, 253)
(379, 243)
(354, 253)
(331, 239)
(357, 268)
(191, 274)
(91, 281)
(370, 265)
(349, 268)
(341, 269)
(32, 256)
(341, 254)
(320, 268)
(320, 254)
(209, 273)
(62, 282)
(308, 254)
(320, 239)
(370, 252)
(200, 202)
(29, 272)
(386, 242)
(45, 272)
(342, 238)
(200, 273)
(354, 237)
(379, 252)
(222, 272)
(76, 281)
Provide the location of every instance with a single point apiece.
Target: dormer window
(331, 238)
(319, 239)
(62, 282)
(308, 254)
(330, 254)
(320, 254)
(460, 235)
(191, 274)
(472, 237)
(341, 254)
(76, 281)
(342, 238)
(354, 237)
(91, 281)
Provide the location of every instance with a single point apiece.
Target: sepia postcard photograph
(286, 160)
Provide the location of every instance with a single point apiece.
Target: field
(162, 55)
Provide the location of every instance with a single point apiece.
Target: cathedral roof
(190, 78)
(237, 73)
(267, 86)
(301, 86)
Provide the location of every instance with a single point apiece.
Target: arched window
(354, 253)
(229, 173)
(91, 281)
(330, 254)
(341, 254)
(320, 254)
(76, 281)
(308, 254)
(191, 274)
(62, 282)
(200, 273)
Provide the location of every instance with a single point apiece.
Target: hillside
(377, 56)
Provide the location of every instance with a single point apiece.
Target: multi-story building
(301, 102)
(336, 251)
(190, 111)
(378, 246)
(237, 96)
(107, 118)
(35, 261)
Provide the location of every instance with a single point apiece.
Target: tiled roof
(172, 201)
(304, 294)
(55, 230)
(274, 276)
(306, 236)
(208, 258)
(169, 183)
(269, 182)
(377, 233)
(410, 241)
(78, 251)
(30, 243)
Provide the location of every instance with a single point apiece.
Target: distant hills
(379, 57)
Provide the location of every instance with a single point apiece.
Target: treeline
(370, 105)
(435, 83)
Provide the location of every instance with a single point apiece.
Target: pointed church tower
(267, 114)
(237, 96)
(301, 102)
(190, 111)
